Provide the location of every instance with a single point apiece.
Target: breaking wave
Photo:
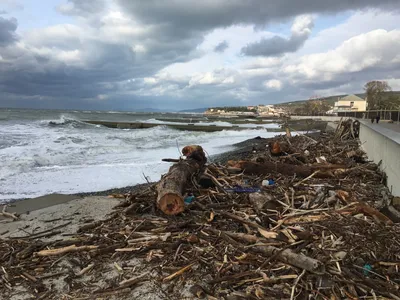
(66, 121)
(62, 154)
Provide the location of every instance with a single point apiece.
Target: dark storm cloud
(206, 15)
(7, 31)
(221, 47)
(274, 46)
(87, 64)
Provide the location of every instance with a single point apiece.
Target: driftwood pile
(348, 129)
(302, 237)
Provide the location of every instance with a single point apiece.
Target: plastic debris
(366, 269)
(189, 199)
(268, 182)
(239, 189)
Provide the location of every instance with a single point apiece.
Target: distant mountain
(196, 110)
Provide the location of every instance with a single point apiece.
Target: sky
(184, 54)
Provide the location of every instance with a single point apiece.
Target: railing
(393, 115)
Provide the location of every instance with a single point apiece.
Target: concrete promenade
(392, 126)
(381, 142)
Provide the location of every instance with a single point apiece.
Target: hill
(332, 99)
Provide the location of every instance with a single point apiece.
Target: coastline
(242, 151)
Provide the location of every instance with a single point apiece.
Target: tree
(392, 102)
(316, 107)
(375, 90)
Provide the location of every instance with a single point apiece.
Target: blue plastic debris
(367, 268)
(268, 182)
(189, 199)
(239, 189)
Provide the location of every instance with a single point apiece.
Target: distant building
(269, 110)
(350, 103)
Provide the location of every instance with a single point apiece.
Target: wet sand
(28, 205)
(63, 213)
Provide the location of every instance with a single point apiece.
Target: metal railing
(393, 115)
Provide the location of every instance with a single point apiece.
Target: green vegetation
(329, 100)
(312, 107)
(391, 100)
(379, 96)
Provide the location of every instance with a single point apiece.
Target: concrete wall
(382, 144)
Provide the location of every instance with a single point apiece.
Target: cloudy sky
(179, 54)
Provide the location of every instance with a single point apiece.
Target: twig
(173, 160)
(6, 214)
(40, 233)
(177, 273)
(305, 179)
(72, 248)
(132, 281)
(85, 270)
(295, 284)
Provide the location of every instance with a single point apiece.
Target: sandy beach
(38, 217)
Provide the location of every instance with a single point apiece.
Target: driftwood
(171, 186)
(69, 249)
(7, 214)
(253, 168)
(302, 237)
(177, 273)
(290, 257)
(132, 281)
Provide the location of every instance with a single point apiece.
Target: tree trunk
(171, 186)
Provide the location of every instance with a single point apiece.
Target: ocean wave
(66, 121)
(63, 154)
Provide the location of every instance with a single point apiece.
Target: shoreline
(241, 150)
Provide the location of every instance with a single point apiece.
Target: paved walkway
(389, 130)
(393, 126)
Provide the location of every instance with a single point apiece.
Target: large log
(254, 168)
(171, 186)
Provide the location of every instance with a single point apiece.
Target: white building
(350, 103)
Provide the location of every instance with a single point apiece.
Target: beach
(55, 218)
(272, 212)
(93, 246)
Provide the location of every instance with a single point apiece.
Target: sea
(53, 151)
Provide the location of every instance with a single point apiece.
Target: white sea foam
(38, 158)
